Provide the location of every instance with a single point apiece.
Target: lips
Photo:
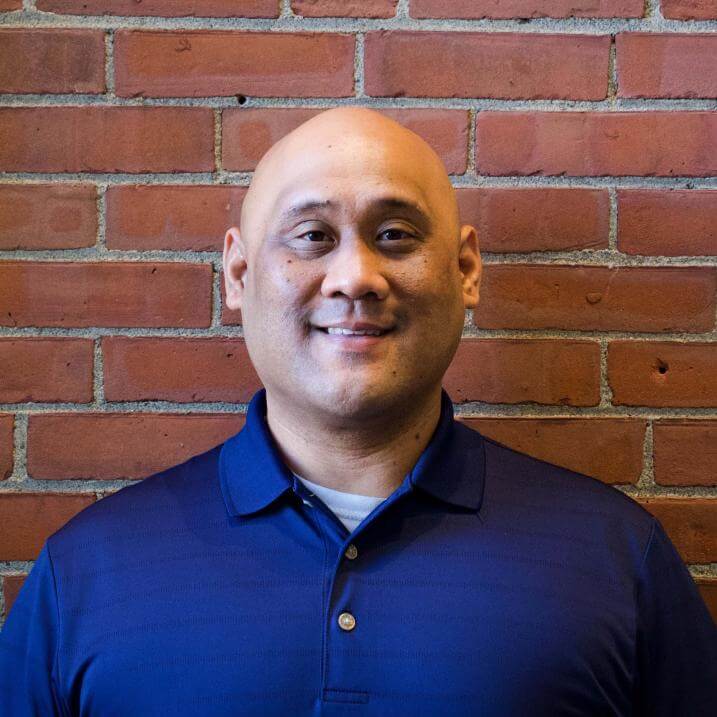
(358, 328)
(334, 330)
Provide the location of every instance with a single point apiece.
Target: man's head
(349, 219)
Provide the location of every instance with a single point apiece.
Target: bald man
(354, 550)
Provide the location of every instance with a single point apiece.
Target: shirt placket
(344, 632)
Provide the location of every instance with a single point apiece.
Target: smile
(356, 332)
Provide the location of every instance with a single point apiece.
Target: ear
(470, 265)
(234, 266)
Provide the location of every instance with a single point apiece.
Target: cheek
(282, 294)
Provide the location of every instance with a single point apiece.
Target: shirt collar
(252, 473)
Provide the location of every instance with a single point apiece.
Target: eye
(315, 232)
(397, 234)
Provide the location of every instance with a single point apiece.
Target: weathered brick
(75, 445)
(500, 65)
(51, 60)
(106, 139)
(344, 8)
(685, 452)
(654, 143)
(200, 63)
(45, 369)
(164, 8)
(171, 217)
(507, 9)
(663, 373)
(677, 222)
(7, 423)
(10, 5)
(691, 524)
(517, 219)
(105, 294)
(524, 296)
(47, 216)
(11, 585)
(521, 371)
(248, 133)
(708, 591)
(663, 65)
(609, 449)
(689, 9)
(178, 369)
(28, 519)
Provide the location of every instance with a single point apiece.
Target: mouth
(353, 339)
(336, 331)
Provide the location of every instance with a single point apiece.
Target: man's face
(351, 236)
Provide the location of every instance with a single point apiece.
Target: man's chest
(406, 619)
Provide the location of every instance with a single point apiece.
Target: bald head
(351, 143)
(351, 218)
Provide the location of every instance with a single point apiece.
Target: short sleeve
(676, 670)
(28, 646)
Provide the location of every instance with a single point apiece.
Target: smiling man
(354, 550)
(351, 226)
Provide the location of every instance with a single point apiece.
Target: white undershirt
(349, 508)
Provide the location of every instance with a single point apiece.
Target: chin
(355, 399)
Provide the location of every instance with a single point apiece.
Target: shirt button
(351, 551)
(347, 621)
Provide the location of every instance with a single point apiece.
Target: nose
(355, 271)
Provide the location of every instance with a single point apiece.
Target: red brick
(690, 523)
(522, 371)
(172, 217)
(685, 452)
(230, 317)
(651, 143)
(107, 139)
(663, 65)
(506, 9)
(6, 445)
(9, 5)
(182, 370)
(708, 591)
(28, 519)
(500, 65)
(76, 446)
(47, 370)
(663, 373)
(344, 8)
(536, 219)
(200, 63)
(11, 588)
(676, 222)
(689, 9)
(248, 133)
(105, 294)
(164, 8)
(47, 216)
(51, 61)
(524, 296)
(609, 449)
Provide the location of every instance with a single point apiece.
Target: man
(354, 550)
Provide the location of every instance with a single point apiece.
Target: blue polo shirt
(489, 583)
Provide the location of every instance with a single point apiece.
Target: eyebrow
(382, 203)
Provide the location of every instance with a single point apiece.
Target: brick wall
(581, 136)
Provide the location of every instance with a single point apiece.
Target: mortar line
(289, 22)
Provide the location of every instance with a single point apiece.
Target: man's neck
(368, 459)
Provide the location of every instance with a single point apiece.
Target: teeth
(349, 332)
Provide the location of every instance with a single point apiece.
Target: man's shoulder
(162, 496)
(519, 481)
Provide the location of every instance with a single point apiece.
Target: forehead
(357, 185)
